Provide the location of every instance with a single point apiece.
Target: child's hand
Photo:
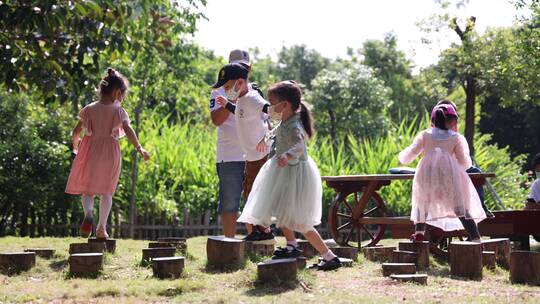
(283, 160)
(222, 101)
(261, 146)
(144, 154)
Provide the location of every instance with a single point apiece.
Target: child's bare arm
(76, 135)
(132, 137)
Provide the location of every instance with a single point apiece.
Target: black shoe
(260, 238)
(287, 252)
(334, 263)
(254, 235)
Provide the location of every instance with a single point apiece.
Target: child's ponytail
(307, 119)
(440, 119)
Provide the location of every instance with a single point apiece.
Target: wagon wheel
(344, 225)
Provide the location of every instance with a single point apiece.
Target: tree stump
(398, 268)
(45, 253)
(331, 243)
(308, 250)
(83, 264)
(415, 278)
(172, 239)
(346, 252)
(525, 267)
(149, 254)
(301, 262)
(110, 244)
(489, 259)
(501, 247)
(225, 253)
(181, 247)
(378, 253)
(401, 256)
(465, 259)
(167, 267)
(86, 248)
(277, 270)
(344, 262)
(259, 249)
(16, 262)
(422, 248)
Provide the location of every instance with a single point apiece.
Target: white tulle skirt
(289, 196)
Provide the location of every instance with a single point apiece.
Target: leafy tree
(300, 63)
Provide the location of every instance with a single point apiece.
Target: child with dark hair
(443, 194)
(533, 199)
(288, 189)
(96, 167)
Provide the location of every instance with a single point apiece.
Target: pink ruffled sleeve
(122, 116)
(85, 119)
(462, 153)
(411, 152)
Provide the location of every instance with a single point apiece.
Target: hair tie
(104, 83)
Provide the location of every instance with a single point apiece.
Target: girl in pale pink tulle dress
(96, 168)
(443, 194)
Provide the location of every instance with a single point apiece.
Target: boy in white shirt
(533, 199)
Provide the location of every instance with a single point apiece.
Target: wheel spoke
(344, 215)
(344, 226)
(368, 232)
(349, 235)
(348, 206)
(371, 210)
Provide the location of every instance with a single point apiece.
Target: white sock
(104, 210)
(88, 205)
(328, 255)
(293, 243)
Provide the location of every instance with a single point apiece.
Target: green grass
(124, 281)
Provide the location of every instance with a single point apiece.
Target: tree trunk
(332, 127)
(470, 102)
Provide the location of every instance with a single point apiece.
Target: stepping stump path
(45, 253)
(277, 270)
(225, 253)
(401, 256)
(16, 262)
(422, 248)
(172, 239)
(415, 278)
(501, 247)
(81, 264)
(259, 249)
(525, 267)
(167, 267)
(301, 262)
(346, 252)
(149, 254)
(307, 249)
(181, 247)
(489, 259)
(398, 268)
(378, 253)
(86, 248)
(110, 244)
(465, 259)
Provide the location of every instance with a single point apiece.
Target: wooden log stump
(501, 247)
(301, 262)
(307, 249)
(16, 262)
(378, 253)
(465, 259)
(86, 248)
(45, 253)
(259, 249)
(344, 262)
(525, 267)
(172, 239)
(110, 244)
(414, 278)
(401, 256)
(398, 268)
(167, 267)
(85, 264)
(149, 254)
(489, 259)
(331, 243)
(346, 252)
(180, 247)
(277, 270)
(422, 248)
(225, 253)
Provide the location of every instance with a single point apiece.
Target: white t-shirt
(251, 124)
(228, 147)
(535, 191)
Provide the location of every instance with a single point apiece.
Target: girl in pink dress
(443, 194)
(96, 168)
